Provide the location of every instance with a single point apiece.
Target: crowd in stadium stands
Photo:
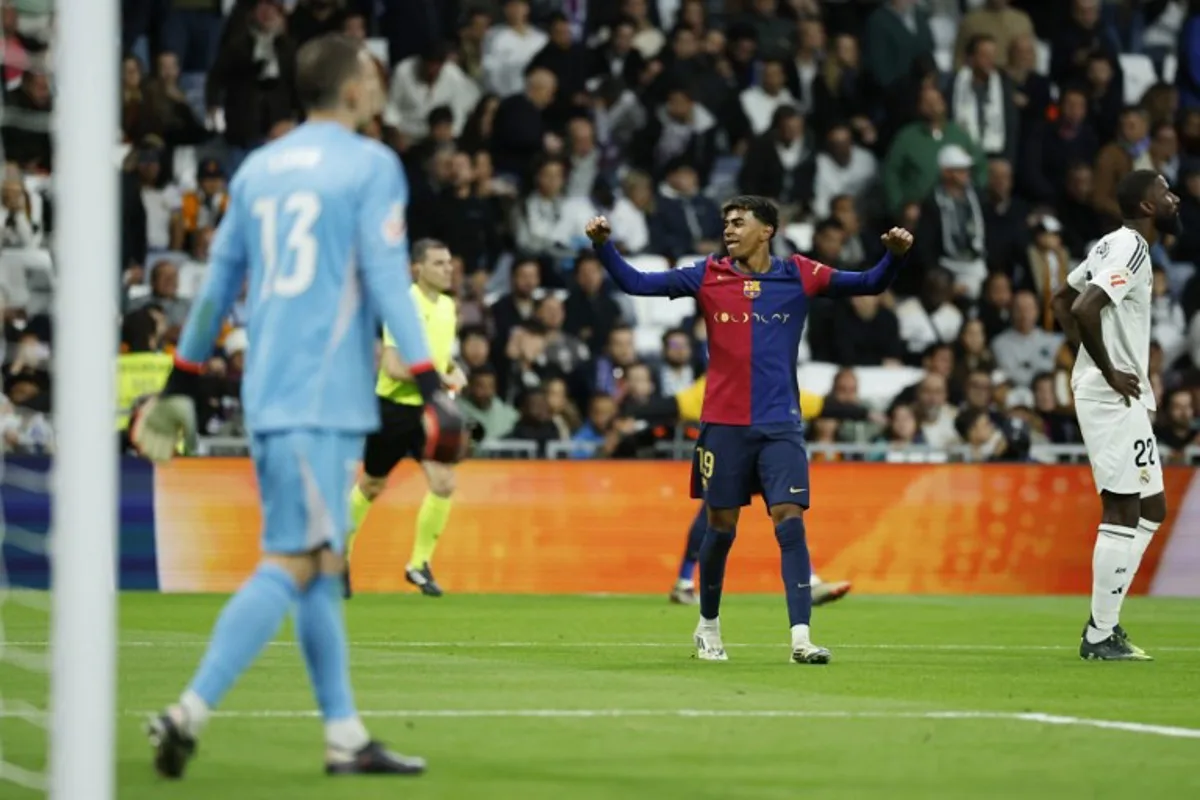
(996, 130)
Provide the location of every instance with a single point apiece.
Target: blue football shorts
(733, 463)
(304, 480)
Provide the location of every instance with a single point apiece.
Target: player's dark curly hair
(763, 209)
(1132, 190)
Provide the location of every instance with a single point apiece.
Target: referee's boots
(423, 579)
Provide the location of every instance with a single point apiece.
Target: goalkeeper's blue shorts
(304, 480)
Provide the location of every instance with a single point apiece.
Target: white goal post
(84, 525)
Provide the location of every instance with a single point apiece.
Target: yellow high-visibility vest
(138, 375)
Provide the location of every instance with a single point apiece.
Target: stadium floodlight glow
(84, 522)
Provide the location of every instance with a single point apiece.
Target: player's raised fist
(598, 230)
(897, 241)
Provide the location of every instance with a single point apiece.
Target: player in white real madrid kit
(1105, 307)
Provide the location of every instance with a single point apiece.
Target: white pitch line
(1169, 731)
(391, 644)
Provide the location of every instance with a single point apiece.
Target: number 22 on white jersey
(301, 246)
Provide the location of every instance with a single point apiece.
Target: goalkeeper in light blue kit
(316, 224)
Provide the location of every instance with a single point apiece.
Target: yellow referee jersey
(440, 320)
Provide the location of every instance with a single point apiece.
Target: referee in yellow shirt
(402, 434)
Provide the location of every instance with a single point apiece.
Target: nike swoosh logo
(792, 490)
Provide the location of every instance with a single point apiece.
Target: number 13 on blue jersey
(297, 213)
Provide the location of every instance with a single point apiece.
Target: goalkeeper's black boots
(173, 747)
(375, 759)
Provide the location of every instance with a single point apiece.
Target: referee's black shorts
(401, 435)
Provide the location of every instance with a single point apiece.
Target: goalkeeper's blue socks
(796, 568)
(321, 631)
(713, 553)
(695, 539)
(247, 624)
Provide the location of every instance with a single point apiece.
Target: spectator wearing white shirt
(677, 372)
(420, 84)
(647, 38)
(18, 229)
(508, 49)
(1162, 35)
(841, 168)
(536, 217)
(584, 157)
(164, 293)
(930, 318)
(1024, 350)
(935, 415)
(631, 234)
(759, 103)
(981, 101)
(162, 202)
(810, 50)
(192, 271)
(1169, 324)
(22, 429)
(952, 231)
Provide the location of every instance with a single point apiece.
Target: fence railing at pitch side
(681, 450)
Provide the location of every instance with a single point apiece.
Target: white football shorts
(1121, 446)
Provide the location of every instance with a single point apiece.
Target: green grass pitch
(593, 697)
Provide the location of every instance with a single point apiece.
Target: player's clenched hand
(598, 230)
(1124, 384)
(446, 434)
(897, 241)
(159, 423)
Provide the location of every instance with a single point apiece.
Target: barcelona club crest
(751, 289)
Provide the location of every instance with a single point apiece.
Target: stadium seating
(655, 315)
(1139, 76)
(876, 385)
(800, 235)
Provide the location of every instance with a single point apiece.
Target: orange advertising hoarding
(604, 526)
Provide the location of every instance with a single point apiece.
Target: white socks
(193, 713)
(800, 636)
(1145, 533)
(1115, 561)
(346, 735)
(1111, 576)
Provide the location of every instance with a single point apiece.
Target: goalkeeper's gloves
(162, 420)
(446, 434)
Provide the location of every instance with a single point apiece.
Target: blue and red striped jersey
(754, 321)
